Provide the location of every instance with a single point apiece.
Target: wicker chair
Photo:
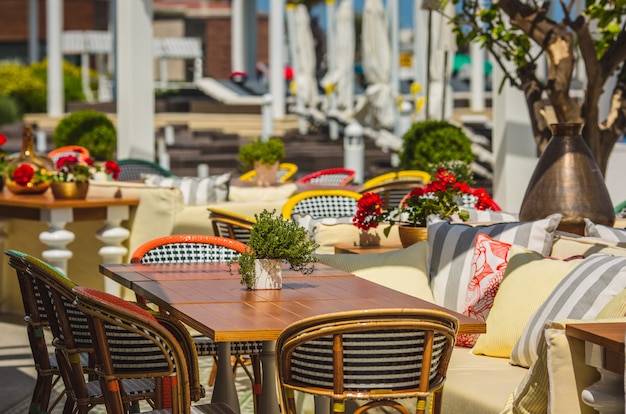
(286, 170)
(119, 327)
(330, 176)
(132, 169)
(37, 327)
(231, 225)
(393, 192)
(72, 339)
(79, 152)
(376, 355)
(322, 203)
(204, 249)
(415, 175)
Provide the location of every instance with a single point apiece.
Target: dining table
(209, 298)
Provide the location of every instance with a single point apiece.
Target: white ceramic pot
(268, 274)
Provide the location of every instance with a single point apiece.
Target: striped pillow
(582, 294)
(451, 247)
(604, 232)
(196, 190)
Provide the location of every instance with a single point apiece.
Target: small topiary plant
(90, 129)
(434, 142)
(265, 152)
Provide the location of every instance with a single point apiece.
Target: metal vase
(567, 180)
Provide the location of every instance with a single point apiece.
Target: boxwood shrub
(90, 129)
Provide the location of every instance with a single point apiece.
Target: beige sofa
(479, 383)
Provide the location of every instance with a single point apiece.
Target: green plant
(9, 110)
(90, 129)
(273, 237)
(72, 79)
(434, 142)
(265, 152)
(18, 82)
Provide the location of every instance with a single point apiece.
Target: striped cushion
(488, 216)
(451, 247)
(582, 294)
(196, 191)
(605, 232)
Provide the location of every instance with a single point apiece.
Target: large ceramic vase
(268, 274)
(567, 180)
(70, 191)
(410, 234)
(27, 157)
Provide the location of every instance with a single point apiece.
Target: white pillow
(196, 190)
(611, 234)
(451, 248)
(582, 294)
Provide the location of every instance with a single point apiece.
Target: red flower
(65, 160)
(23, 174)
(88, 161)
(369, 209)
(112, 168)
(3, 139)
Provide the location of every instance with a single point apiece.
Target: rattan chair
(133, 169)
(79, 152)
(322, 203)
(376, 355)
(121, 331)
(72, 340)
(330, 176)
(231, 225)
(393, 192)
(286, 170)
(195, 248)
(414, 175)
(37, 328)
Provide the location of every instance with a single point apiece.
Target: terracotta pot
(266, 174)
(70, 191)
(268, 274)
(410, 234)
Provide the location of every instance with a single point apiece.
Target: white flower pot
(268, 274)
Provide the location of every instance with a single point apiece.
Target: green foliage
(90, 129)
(9, 110)
(434, 142)
(266, 152)
(72, 79)
(273, 237)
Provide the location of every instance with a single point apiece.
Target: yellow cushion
(615, 308)
(328, 235)
(403, 270)
(527, 282)
(567, 245)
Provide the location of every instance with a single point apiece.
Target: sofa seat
(478, 384)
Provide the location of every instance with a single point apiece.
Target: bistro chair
(330, 176)
(194, 248)
(132, 169)
(392, 192)
(231, 225)
(121, 331)
(414, 175)
(37, 328)
(79, 152)
(72, 340)
(322, 203)
(377, 355)
(286, 170)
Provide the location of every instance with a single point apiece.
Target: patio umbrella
(377, 64)
(342, 74)
(441, 64)
(306, 82)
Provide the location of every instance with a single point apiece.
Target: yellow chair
(231, 225)
(286, 170)
(322, 203)
(398, 176)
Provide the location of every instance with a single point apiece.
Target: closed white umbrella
(376, 61)
(306, 82)
(444, 46)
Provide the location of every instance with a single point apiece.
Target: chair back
(132, 169)
(76, 150)
(122, 332)
(415, 175)
(188, 248)
(393, 192)
(379, 355)
(322, 203)
(330, 176)
(286, 170)
(231, 225)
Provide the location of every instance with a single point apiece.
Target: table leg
(57, 237)
(113, 235)
(224, 389)
(269, 394)
(606, 395)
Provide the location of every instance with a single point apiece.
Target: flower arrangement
(439, 197)
(70, 169)
(4, 156)
(25, 174)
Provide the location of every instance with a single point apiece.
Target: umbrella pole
(428, 53)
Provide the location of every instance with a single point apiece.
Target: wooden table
(352, 249)
(210, 300)
(604, 350)
(57, 213)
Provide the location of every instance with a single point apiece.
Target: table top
(352, 249)
(211, 300)
(609, 335)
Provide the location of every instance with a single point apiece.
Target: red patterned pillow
(488, 265)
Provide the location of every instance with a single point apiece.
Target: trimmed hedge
(90, 129)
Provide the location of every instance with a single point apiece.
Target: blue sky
(406, 11)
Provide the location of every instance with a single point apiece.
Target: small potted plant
(274, 240)
(71, 179)
(264, 157)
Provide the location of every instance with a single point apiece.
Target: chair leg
(257, 386)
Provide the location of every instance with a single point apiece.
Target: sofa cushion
(245, 193)
(488, 265)
(195, 190)
(604, 232)
(450, 251)
(567, 245)
(582, 294)
(403, 270)
(488, 216)
(528, 280)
